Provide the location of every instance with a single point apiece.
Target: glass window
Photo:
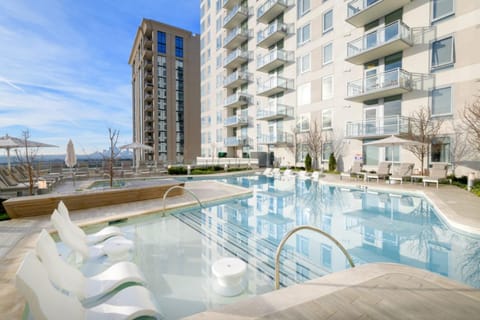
(304, 63)
(303, 7)
(162, 42)
(327, 119)
(327, 87)
(304, 94)
(326, 151)
(443, 52)
(326, 256)
(442, 101)
(328, 53)
(442, 9)
(302, 245)
(328, 21)
(303, 35)
(441, 149)
(370, 153)
(304, 123)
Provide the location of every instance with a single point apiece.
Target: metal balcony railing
(272, 33)
(361, 12)
(275, 58)
(237, 54)
(274, 84)
(274, 110)
(235, 16)
(270, 9)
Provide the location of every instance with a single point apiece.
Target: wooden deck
(29, 206)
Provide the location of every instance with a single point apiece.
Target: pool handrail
(179, 187)
(294, 230)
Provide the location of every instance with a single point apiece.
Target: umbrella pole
(8, 160)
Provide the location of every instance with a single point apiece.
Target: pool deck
(372, 291)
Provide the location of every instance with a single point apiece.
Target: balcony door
(371, 79)
(373, 120)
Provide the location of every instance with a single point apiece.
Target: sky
(64, 69)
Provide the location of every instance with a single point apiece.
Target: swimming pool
(176, 252)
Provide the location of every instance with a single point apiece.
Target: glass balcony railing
(228, 4)
(235, 16)
(271, 34)
(237, 55)
(236, 78)
(235, 37)
(237, 99)
(275, 138)
(361, 12)
(236, 141)
(377, 39)
(274, 59)
(237, 120)
(379, 127)
(274, 110)
(395, 81)
(270, 9)
(274, 84)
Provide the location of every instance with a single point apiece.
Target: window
(441, 149)
(304, 94)
(327, 87)
(443, 52)
(304, 123)
(442, 9)
(326, 256)
(302, 245)
(304, 63)
(162, 42)
(328, 21)
(326, 151)
(303, 35)
(442, 101)
(303, 7)
(327, 53)
(327, 119)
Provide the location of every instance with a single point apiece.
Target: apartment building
(279, 74)
(165, 64)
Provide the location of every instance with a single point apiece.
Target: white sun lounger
(46, 302)
(93, 238)
(115, 248)
(88, 290)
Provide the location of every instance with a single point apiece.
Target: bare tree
(471, 119)
(315, 139)
(27, 158)
(338, 143)
(113, 153)
(293, 148)
(424, 129)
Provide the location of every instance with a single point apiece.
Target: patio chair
(46, 302)
(267, 171)
(383, 171)
(303, 175)
(404, 172)
(288, 173)
(115, 248)
(354, 172)
(276, 172)
(93, 238)
(315, 175)
(89, 290)
(437, 172)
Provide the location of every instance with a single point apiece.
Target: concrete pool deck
(375, 291)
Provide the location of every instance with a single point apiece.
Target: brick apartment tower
(165, 64)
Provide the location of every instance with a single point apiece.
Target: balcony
(379, 43)
(274, 85)
(235, 38)
(378, 128)
(237, 100)
(148, 119)
(229, 4)
(361, 12)
(236, 58)
(148, 107)
(275, 111)
(271, 9)
(148, 97)
(147, 65)
(148, 76)
(147, 43)
(273, 33)
(236, 141)
(234, 17)
(274, 59)
(148, 87)
(240, 120)
(236, 79)
(396, 81)
(278, 138)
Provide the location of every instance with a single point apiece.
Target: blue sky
(64, 69)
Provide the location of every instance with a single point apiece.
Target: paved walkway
(375, 291)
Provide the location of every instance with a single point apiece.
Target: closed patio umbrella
(71, 158)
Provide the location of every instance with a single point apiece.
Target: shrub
(177, 170)
(308, 162)
(332, 162)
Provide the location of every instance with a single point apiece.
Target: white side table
(416, 177)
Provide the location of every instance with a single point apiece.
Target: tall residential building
(276, 73)
(165, 64)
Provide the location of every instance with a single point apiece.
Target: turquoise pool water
(176, 252)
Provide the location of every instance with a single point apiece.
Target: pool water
(176, 252)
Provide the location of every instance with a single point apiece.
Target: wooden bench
(29, 206)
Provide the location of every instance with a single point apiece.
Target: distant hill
(124, 154)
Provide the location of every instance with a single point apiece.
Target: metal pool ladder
(289, 234)
(179, 187)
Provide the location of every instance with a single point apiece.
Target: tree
(471, 119)
(28, 158)
(308, 162)
(332, 162)
(315, 138)
(423, 128)
(113, 152)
